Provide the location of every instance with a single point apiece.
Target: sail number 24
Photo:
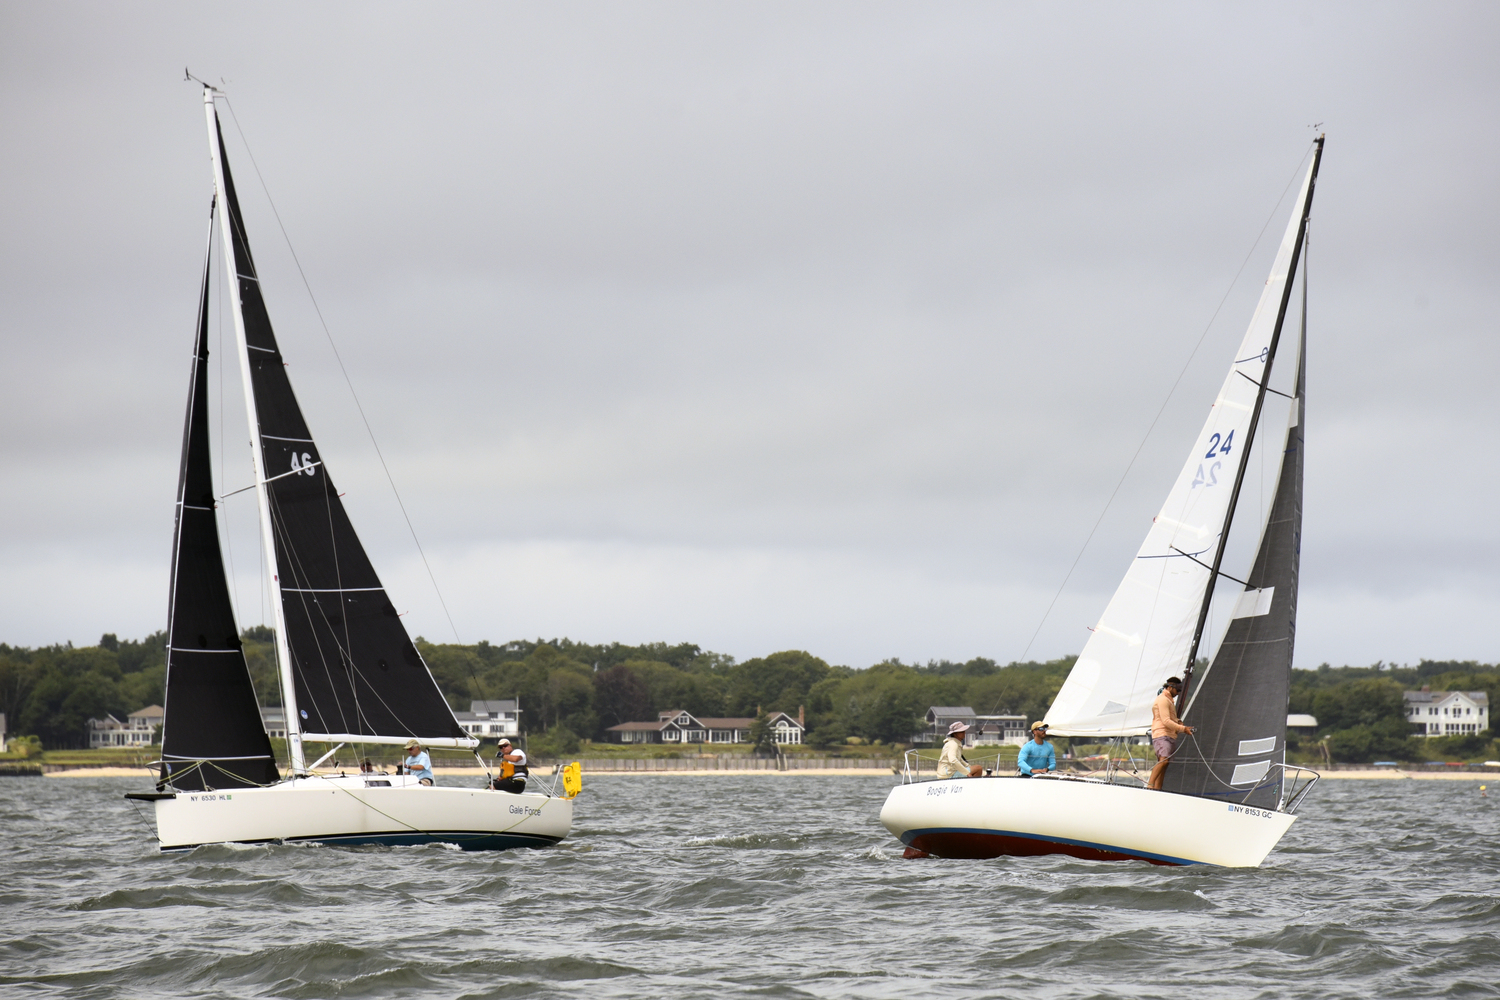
(1215, 448)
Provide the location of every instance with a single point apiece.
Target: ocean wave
(665, 894)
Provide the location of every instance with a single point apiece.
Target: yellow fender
(572, 776)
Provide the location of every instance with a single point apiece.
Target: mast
(296, 760)
(1260, 399)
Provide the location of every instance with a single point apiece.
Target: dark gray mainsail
(212, 734)
(1239, 705)
(355, 672)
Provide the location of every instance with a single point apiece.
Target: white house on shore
(492, 719)
(1447, 713)
(138, 730)
(274, 719)
(682, 727)
(488, 720)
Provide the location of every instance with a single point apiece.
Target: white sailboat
(349, 673)
(1229, 794)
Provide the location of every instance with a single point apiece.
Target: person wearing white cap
(1037, 757)
(952, 763)
(513, 769)
(418, 764)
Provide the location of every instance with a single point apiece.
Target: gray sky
(761, 326)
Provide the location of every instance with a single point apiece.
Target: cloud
(830, 327)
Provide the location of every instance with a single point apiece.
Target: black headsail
(1239, 708)
(355, 670)
(212, 734)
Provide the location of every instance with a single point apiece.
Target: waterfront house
(274, 719)
(939, 718)
(1302, 725)
(491, 720)
(1447, 713)
(138, 730)
(1000, 729)
(983, 729)
(683, 727)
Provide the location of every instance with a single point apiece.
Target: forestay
(1146, 632)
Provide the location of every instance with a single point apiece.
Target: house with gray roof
(1447, 713)
(683, 727)
(490, 720)
(983, 729)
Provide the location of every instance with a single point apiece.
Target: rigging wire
(473, 676)
(1170, 392)
(347, 380)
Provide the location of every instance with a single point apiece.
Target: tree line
(52, 692)
(571, 691)
(575, 690)
(1362, 715)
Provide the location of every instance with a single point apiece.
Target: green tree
(1365, 742)
(259, 645)
(762, 739)
(456, 670)
(620, 696)
(18, 675)
(779, 682)
(1364, 702)
(24, 746)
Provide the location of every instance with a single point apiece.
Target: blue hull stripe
(910, 835)
(469, 841)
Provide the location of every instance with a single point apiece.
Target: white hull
(991, 817)
(345, 810)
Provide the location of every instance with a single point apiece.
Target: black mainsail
(354, 670)
(212, 734)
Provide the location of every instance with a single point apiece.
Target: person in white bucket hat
(952, 763)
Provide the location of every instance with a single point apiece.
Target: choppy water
(742, 886)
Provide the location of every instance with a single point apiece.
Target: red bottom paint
(977, 846)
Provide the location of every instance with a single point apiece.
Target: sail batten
(348, 662)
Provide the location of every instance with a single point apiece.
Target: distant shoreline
(832, 772)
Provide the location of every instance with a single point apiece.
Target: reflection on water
(755, 886)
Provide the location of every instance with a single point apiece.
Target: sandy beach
(1391, 774)
(474, 772)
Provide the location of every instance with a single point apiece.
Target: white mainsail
(1146, 632)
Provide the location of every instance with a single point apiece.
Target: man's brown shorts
(1164, 746)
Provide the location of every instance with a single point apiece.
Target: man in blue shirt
(418, 764)
(1037, 757)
